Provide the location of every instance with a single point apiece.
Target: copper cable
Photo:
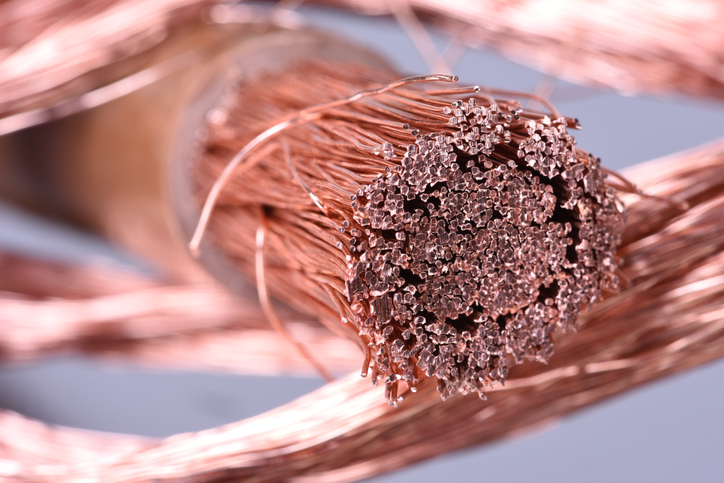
(674, 341)
(645, 47)
(50, 51)
(446, 228)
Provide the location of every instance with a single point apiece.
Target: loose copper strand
(453, 53)
(315, 199)
(544, 102)
(267, 307)
(628, 187)
(547, 83)
(545, 86)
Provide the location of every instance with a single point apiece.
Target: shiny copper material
(646, 46)
(666, 321)
(139, 196)
(634, 47)
(450, 228)
(52, 51)
(48, 309)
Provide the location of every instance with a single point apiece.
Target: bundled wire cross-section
(446, 228)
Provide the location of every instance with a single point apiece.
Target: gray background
(670, 431)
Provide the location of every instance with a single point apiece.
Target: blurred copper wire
(51, 50)
(669, 319)
(48, 309)
(47, 59)
(642, 46)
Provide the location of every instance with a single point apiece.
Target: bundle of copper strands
(449, 231)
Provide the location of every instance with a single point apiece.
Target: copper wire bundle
(648, 47)
(634, 47)
(445, 233)
(49, 309)
(50, 51)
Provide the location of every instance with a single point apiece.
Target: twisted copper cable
(644, 47)
(50, 51)
(668, 320)
(656, 221)
(634, 47)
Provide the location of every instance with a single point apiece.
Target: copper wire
(637, 47)
(648, 250)
(417, 32)
(49, 308)
(45, 54)
(627, 186)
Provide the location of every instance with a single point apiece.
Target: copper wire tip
(481, 242)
